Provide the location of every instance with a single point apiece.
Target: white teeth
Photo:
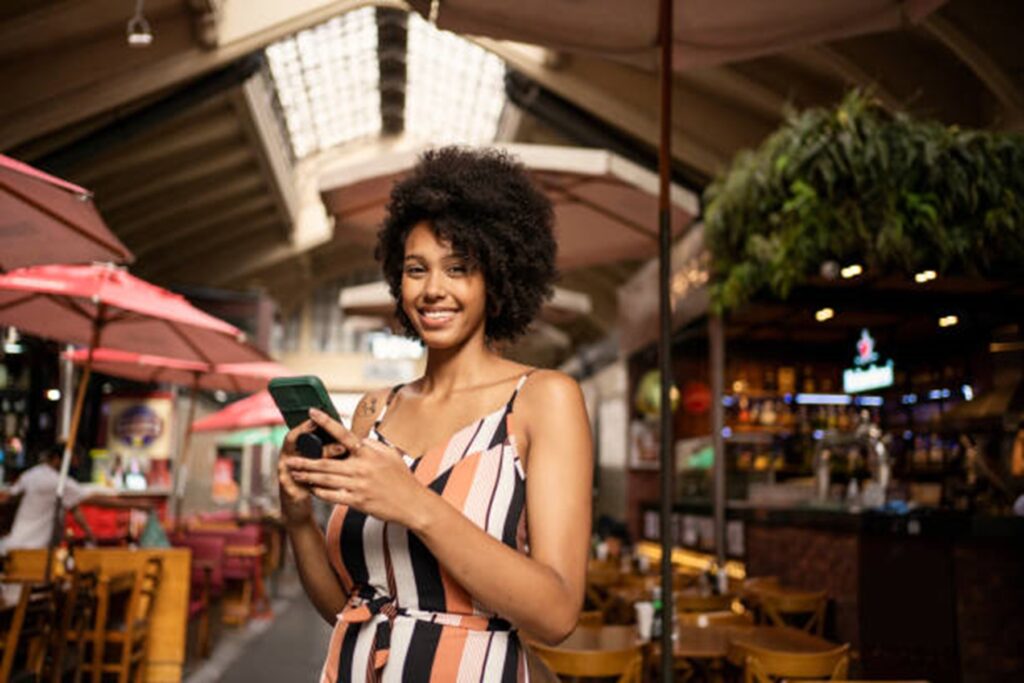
(437, 314)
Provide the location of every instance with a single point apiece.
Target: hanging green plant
(862, 184)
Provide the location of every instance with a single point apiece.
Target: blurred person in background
(37, 486)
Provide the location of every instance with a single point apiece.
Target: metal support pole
(667, 453)
(716, 338)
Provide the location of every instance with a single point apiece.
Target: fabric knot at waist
(366, 603)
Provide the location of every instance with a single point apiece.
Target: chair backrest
(76, 617)
(790, 609)
(33, 617)
(691, 602)
(26, 562)
(207, 552)
(626, 663)
(767, 666)
(146, 587)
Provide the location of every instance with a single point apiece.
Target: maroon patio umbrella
(44, 219)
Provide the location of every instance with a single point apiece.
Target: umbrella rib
(188, 342)
(607, 213)
(17, 302)
(68, 303)
(117, 249)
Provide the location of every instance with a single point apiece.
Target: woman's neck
(454, 369)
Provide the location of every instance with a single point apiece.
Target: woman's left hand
(373, 478)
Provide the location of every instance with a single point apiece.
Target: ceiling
(184, 147)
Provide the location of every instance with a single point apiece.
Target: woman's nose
(434, 286)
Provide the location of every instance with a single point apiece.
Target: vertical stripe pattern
(407, 619)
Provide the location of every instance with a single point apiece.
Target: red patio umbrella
(44, 219)
(142, 367)
(236, 377)
(87, 305)
(258, 410)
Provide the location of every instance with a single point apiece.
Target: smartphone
(294, 397)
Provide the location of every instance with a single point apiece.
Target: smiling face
(443, 294)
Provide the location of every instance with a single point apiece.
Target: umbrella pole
(69, 445)
(665, 339)
(179, 490)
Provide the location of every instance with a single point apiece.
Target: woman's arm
(541, 593)
(318, 578)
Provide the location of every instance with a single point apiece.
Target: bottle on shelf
(656, 622)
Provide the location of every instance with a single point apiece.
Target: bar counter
(929, 594)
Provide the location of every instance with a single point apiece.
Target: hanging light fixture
(138, 31)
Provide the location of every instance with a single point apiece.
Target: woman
(462, 509)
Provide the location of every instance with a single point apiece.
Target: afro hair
(484, 204)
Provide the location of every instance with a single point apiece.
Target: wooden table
(601, 638)
(777, 638)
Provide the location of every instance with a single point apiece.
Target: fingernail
(313, 412)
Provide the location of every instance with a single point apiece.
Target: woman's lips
(436, 319)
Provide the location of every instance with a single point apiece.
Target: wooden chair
(126, 638)
(805, 611)
(28, 634)
(769, 666)
(207, 582)
(710, 619)
(76, 617)
(627, 664)
(693, 602)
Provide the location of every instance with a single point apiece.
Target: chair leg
(203, 634)
(124, 671)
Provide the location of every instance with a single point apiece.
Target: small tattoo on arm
(370, 406)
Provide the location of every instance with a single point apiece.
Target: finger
(293, 434)
(334, 428)
(336, 496)
(334, 450)
(322, 480)
(326, 465)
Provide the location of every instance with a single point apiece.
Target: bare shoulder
(550, 393)
(370, 406)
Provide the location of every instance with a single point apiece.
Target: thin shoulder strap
(387, 404)
(522, 381)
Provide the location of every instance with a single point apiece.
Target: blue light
(908, 435)
(726, 432)
(818, 434)
(728, 401)
(788, 398)
(870, 401)
(934, 394)
(946, 393)
(909, 399)
(823, 399)
(968, 391)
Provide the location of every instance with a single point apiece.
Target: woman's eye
(457, 270)
(414, 270)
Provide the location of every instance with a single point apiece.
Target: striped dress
(407, 620)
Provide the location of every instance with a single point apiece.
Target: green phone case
(294, 397)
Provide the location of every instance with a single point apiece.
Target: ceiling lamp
(824, 314)
(925, 276)
(851, 271)
(138, 30)
(948, 321)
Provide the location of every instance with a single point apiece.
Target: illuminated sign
(867, 373)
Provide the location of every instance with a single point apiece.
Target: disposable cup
(644, 619)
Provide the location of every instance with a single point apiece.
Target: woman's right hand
(296, 500)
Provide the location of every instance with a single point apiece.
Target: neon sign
(867, 373)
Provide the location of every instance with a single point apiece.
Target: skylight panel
(455, 91)
(327, 81)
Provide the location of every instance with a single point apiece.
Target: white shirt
(33, 523)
